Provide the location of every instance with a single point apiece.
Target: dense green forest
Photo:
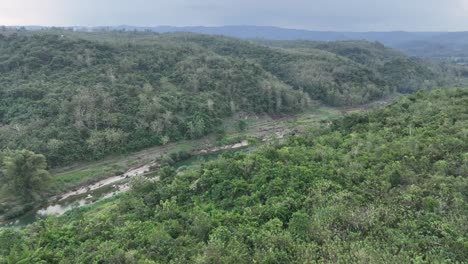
(73, 99)
(337, 73)
(373, 54)
(385, 186)
(80, 96)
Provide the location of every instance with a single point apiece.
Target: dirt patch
(277, 116)
(110, 180)
(242, 144)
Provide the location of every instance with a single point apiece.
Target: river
(106, 188)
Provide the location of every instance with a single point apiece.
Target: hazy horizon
(333, 15)
(221, 26)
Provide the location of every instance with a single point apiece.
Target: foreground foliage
(387, 186)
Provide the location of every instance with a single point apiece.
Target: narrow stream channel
(106, 188)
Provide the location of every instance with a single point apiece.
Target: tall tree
(25, 173)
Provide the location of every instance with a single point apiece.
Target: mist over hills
(421, 44)
(452, 45)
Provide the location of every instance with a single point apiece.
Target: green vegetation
(242, 125)
(74, 99)
(62, 181)
(79, 174)
(406, 74)
(81, 96)
(384, 186)
(339, 73)
(24, 174)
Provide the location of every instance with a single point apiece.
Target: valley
(84, 183)
(143, 147)
(349, 170)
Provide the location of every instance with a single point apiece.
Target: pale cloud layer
(338, 15)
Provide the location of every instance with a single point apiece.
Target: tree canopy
(24, 173)
(384, 186)
(76, 96)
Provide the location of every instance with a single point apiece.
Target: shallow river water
(106, 188)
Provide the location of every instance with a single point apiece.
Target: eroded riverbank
(261, 128)
(102, 189)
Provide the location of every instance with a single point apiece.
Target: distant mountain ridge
(420, 44)
(277, 33)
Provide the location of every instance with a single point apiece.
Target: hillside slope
(421, 44)
(337, 73)
(75, 96)
(387, 186)
(434, 45)
(59, 94)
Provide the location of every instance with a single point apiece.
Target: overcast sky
(337, 15)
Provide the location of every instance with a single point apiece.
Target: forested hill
(74, 96)
(386, 186)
